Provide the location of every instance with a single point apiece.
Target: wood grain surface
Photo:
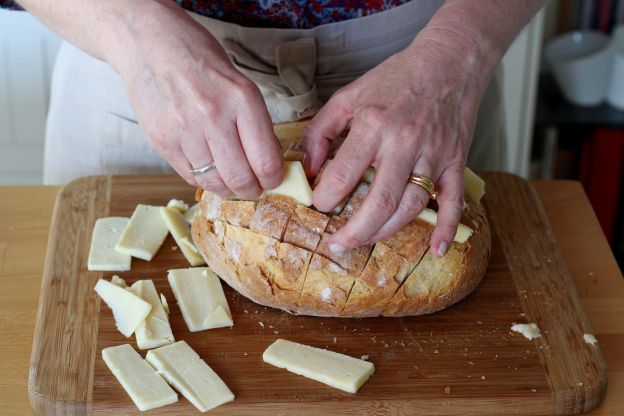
(462, 359)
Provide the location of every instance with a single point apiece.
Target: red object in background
(601, 172)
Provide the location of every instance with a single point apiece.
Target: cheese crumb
(529, 331)
(590, 339)
(364, 357)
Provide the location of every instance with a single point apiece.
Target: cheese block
(181, 232)
(295, 184)
(190, 375)
(155, 330)
(178, 204)
(165, 305)
(102, 255)
(129, 310)
(144, 234)
(144, 386)
(200, 297)
(474, 186)
(190, 213)
(463, 232)
(336, 370)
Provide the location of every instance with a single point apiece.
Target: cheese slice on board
(165, 305)
(178, 204)
(181, 232)
(200, 297)
(190, 213)
(155, 330)
(116, 280)
(190, 375)
(295, 184)
(102, 255)
(144, 234)
(129, 310)
(145, 387)
(331, 368)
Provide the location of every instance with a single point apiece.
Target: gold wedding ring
(425, 183)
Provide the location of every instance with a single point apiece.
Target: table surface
(26, 211)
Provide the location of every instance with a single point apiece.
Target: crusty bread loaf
(275, 253)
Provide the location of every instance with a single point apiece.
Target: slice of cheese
(295, 184)
(181, 232)
(102, 255)
(294, 155)
(155, 330)
(178, 204)
(116, 280)
(200, 297)
(190, 375)
(336, 370)
(129, 310)
(144, 234)
(189, 215)
(145, 387)
(165, 305)
(463, 232)
(291, 130)
(474, 186)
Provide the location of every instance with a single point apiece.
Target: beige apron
(92, 129)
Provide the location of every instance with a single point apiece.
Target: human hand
(412, 114)
(195, 107)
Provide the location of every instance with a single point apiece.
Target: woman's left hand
(412, 114)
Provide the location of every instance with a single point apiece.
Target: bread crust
(278, 256)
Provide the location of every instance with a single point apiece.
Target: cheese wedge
(144, 234)
(102, 255)
(295, 184)
(190, 375)
(178, 204)
(294, 155)
(463, 232)
(144, 386)
(474, 186)
(155, 330)
(190, 214)
(201, 299)
(181, 232)
(328, 367)
(165, 305)
(129, 310)
(116, 280)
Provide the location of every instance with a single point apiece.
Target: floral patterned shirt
(301, 14)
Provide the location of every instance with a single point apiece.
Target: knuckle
(352, 239)
(385, 203)
(338, 180)
(413, 204)
(241, 181)
(268, 167)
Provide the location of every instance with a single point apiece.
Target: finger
(413, 201)
(232, 163)
(179, 162)
(326, 125)
(343, 173)
(261, 147)
(198, 154)
(378, 206)
(450, 205)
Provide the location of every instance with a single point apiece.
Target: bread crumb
(246, 311)
(590, 339)
(470, 362)
(447, 389)
(261, 324)
(245, 353)
(276, 332)
(364, 357)
(174, 248)
(533, 390)
(436, 351)
(482, 377)
(335, 339)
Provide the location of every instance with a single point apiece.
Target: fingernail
(442, 248)
(337, 248)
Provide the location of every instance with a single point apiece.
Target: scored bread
(275, 252)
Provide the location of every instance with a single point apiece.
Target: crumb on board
(590, 339)
(447, 389)
(261, 324)
(364, 357)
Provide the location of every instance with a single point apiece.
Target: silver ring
(207, 168)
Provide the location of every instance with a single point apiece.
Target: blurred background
(564, 99)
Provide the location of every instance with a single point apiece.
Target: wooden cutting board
(461, 361)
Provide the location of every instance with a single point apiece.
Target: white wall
(27, 51)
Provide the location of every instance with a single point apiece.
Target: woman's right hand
(194, 106)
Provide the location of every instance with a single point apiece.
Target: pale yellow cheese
(178, 204)
(336, 370)
(144, 234)
(165, 305)
(295, 184)
(102, 255)
(155, 330)
(290, 131)
(474, 186)
(200, 297)
(294, 155)
(463, 232)
(190, 214)
(529, 331)
(145, 387)
(190, 375)
(116, 280)
(129, 310)
(181, 232)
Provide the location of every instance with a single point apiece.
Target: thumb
(326, 125)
